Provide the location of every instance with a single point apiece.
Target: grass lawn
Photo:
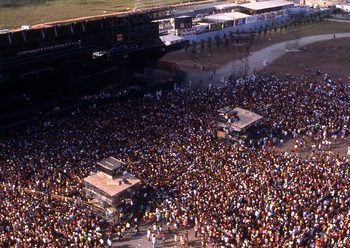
(16, 15)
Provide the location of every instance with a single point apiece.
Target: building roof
(266, 4)
(246, 118)
(110, 186)
(345, 6)
(227, 16)
(226, 6)
(183, 16)
(195, 7)
(111, 163)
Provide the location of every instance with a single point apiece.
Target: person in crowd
(235, 195)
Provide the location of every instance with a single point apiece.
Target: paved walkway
(339, 20)
(258, 59)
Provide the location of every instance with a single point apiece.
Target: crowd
(235, 195)
(30, 219)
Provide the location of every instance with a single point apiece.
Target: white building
(345, 7)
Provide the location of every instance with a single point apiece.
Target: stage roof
(246, 118)
(226, 6)
(110, 186)
(266, 4)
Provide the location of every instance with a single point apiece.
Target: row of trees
(232, 37)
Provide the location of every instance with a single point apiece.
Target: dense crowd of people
(234, 194)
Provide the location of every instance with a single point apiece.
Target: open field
(330, 57)
(224, 53)
(30, 12)
(326, 27)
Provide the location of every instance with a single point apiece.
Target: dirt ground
(207, 59)
(330, 57)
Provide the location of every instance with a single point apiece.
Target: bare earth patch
(330, 57)
(201, 56)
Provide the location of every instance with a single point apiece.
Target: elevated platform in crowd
(111, 187)
(234, 123)
(111, 184)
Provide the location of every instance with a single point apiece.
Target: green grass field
(15, 13)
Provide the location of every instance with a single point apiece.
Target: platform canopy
(238, 119)
(109, 186)
(226, 6)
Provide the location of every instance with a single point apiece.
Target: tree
(217, 40)
(275, 27)
(260, 30)
(194, 44)
(187, 45)
(202, 45)
(238, 32)
(231, 35)
(193, 50)
(209, 43)
(320, 16)
(290, 25)
(281, 25)
(269, 27)
(312, 16)
(294, 23)
(308, 19)
(266, 29)
(226, 41)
